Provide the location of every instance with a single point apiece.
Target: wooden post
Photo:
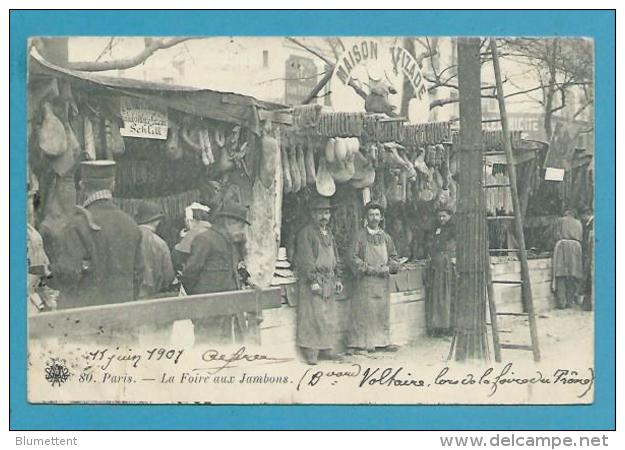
(470, 309)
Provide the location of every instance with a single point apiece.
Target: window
(265, 58)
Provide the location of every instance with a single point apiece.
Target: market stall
(173, 146)
(410, 169)
(178, 145)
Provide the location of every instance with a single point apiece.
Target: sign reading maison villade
(142, 119)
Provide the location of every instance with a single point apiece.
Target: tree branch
(151, 47)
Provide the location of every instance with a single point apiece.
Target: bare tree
(99, 65)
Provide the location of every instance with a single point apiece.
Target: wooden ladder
(524, 282)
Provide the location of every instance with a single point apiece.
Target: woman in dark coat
(441, 277)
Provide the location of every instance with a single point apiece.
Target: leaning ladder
(524, 282)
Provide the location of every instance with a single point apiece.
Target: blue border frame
(599, 25)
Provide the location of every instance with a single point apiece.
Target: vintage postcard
(311, 220)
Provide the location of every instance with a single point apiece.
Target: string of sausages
(493, 139)
(427, 133)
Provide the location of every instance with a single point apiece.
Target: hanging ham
(268, 164)
(324, 183)
(173, 149)
(51, 136)
(286, 171)
(296, 177)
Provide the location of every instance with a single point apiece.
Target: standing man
(588, 251)
(212, 267)
(158, 272)
(318, 282)
(373, 258)
(99, 259)
(567, 259)
(440, 278)
(196, 222)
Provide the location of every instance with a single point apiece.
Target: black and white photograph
(310, 220)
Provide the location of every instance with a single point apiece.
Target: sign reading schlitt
(142, 119)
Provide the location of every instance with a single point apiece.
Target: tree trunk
(470, 311)
(551, 90)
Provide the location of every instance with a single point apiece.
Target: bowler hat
(101, 169)
(235, 211)
(319, 202)
(148, 212)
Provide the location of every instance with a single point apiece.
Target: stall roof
(222, 106)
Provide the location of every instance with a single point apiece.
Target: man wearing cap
(318, 282)
(373, 258)
(99, 259)
(440, 278)
(567, 262)
(212, 266)
(158, 272)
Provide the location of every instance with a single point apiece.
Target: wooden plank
(102, 319)
(270, 298)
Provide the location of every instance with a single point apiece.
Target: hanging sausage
(286, 171)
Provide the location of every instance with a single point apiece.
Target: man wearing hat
(213, 266)
(372, 258)
(99, 259)
(158, 271)
(440, 278)
(567, 261)
(318, 282)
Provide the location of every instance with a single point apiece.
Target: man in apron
(567, 259)
(372, 258)
(318, 283)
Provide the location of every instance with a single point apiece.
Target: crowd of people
(101, 255)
